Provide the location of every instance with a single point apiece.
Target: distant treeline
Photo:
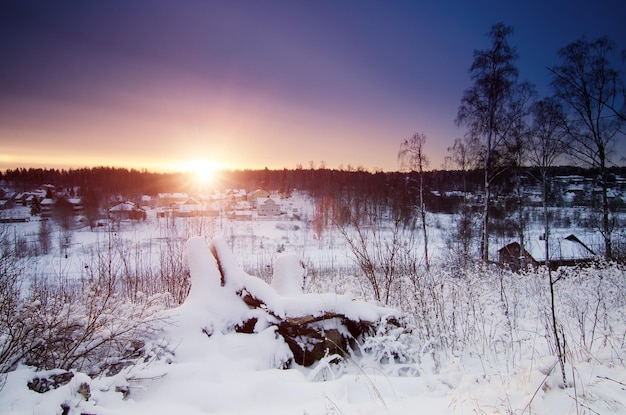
(317, 182)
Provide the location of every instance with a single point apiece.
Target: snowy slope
(235, 373)
(488, 350)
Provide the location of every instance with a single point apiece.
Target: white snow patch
(288, 276)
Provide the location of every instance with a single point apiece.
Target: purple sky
(253, 84)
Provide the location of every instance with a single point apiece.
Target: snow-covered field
(478, 341)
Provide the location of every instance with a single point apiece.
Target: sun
(203, 171)
(204, 174)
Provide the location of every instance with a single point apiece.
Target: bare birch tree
(463, 156)
(589, 88)
(413, 159)
(484, 105)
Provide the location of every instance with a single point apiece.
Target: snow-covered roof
(124, 207)
(242, 213)
(575, 188)
(568, 247)
(191, 201)
(263, 200)
(172, 196)
(242, 205)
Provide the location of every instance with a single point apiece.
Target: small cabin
(564, 251)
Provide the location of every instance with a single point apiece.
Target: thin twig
(612, 380)
(532, 398)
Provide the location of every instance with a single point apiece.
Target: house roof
(568, 247)
(270, 200)
(124, 207)
(191, 201)
(242, 213)
(172, 195)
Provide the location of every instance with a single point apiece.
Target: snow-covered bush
(383, 250)
(391, 344)
(13, 330)
(92, 327)
(120, 260)
(502, 316)
(93, 333)
(97, 332)
(592, 306)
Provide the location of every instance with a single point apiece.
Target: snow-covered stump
(312, 325)
(288, 275)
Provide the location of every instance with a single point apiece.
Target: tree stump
(312, 325)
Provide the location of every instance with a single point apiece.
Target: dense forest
(388, 186)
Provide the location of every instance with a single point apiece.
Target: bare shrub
(134, 273)
(461, 239)
(592, 301)
(91, 327)
(383, 253)
(12, 329)
(92, 333)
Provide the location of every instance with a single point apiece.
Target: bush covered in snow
(91, 328)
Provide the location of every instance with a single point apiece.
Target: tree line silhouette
(385, 188)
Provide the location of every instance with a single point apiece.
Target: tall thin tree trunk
(485, 235)
(560, 348)
(608, 248)
(555, 331)
(426, 260)
(423, 216)
(546, 220)
(521, 221)
(606, 225)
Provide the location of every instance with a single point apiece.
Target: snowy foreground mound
(241, 346)
(293, 327)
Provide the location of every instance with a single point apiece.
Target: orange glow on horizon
(203, 171)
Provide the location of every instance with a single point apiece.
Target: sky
(167, 85)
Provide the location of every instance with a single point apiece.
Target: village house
(194, 207)
(241, 215)
(564, 251)
(257, 194)
(77, 204)
(236, 195)
(46, 207)
(268, 206)
(188, 208)
(171, 200)
(126, 210)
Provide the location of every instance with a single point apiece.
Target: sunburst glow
(203, 171)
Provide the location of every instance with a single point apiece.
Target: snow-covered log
(312, 325)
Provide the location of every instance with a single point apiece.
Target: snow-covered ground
(478, 343)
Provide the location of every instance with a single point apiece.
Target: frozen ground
(498, 358)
